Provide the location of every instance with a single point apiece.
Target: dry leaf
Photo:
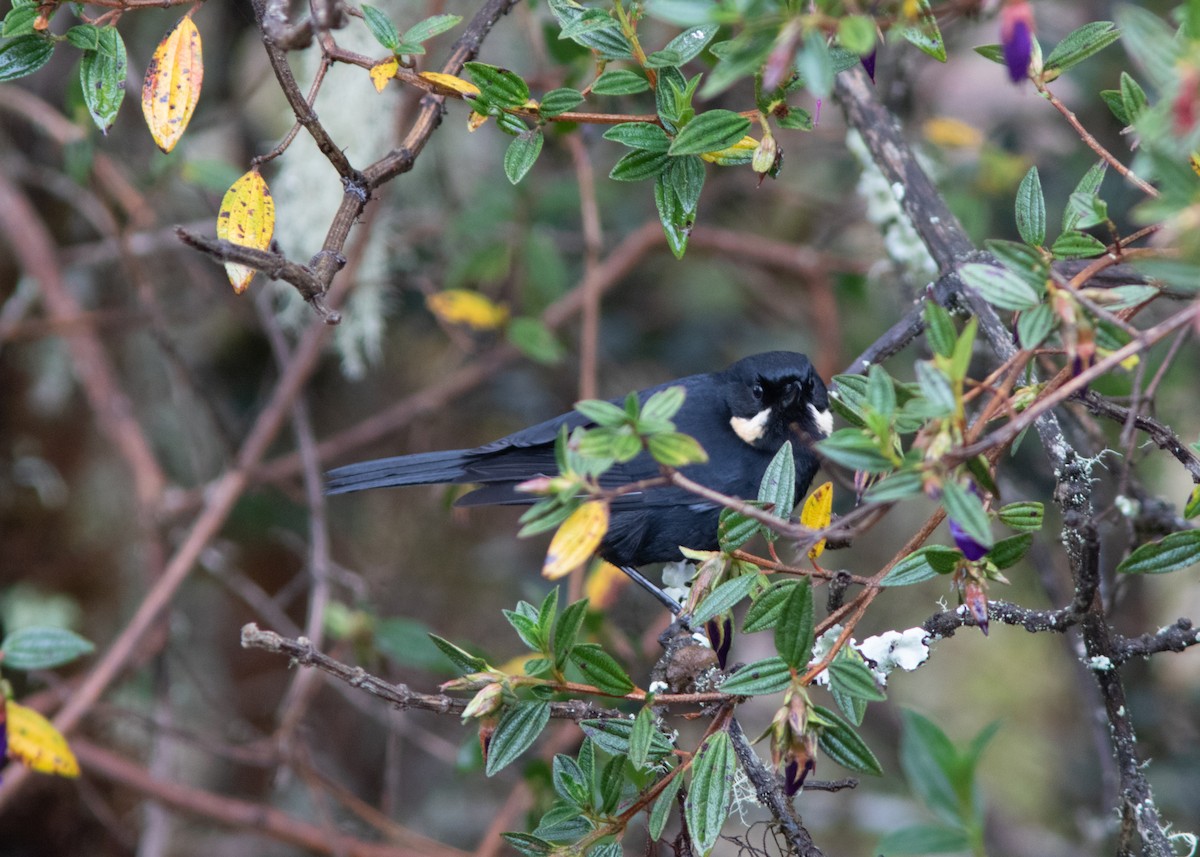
(33, 741)
(817, 513)
(462, 306)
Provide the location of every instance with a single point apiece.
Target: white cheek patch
(750, 429)
(823, 419)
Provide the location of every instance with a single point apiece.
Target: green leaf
(23, 56)
(1031, 209)
(1089, 210)
(1151, 43)
(638, 165)
(1089, 185)
(102, 74)
(767, 607)
(1133, 99)
(664, 404)
(664, 59)
(849, 675)
(518, 728)
(922, 564)
(856, 33)
(852, 448)
(929, 760)
(527, 629)
(794, 630)
(1024, 516)
(499, 86)
(522, 152)
(569, 781)
(1008, 552)
(1081, 44)
(1175, 273)
(1035, 325)
(769, 675)
(620, 81)
(559, 101)
(590, 23)
(528, 844)
(1077, 245)
(563, 822)
(993, 53)
(612, 780)
(939, 329)
(1000, 287)
(639, 135)
(881, 391)
(936, 389)
(602, 413)
(42, 648)
(641, 737)
(432, 26)
(896, 486)
(566, 630)
(725, 596)
(691, 42)
(599, 667)
(843, 745)
(922, 839)
(612, 736)
(1125, 297)
(967, 511)
(778, 485)
(673, 449)
(463, 660)
(708, 132)
(1026, 262)
(815, 65)
(707, 801)
(1170, 553)
(533, 339)
(20, 20)
(735, 529)
(86, 37)
(1112, 100)
(661, 810)
(381, 27)
(925, 34)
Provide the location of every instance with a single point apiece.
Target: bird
(741, 416)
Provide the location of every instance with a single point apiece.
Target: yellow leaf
(576, 540)
(952, 133)
(384, 71)
(1194, 161)
(603, 584)
(246, 218)
(817, 513)
(172, 85)
(33, 740)
(449, 81)
(462, 306)
(737, 151)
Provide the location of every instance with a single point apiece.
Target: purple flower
(1016, 35)
(868, 63)
(971, 549)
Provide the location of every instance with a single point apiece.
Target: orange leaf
(817, 513)
(462, 306)
(576, 540)
(172, 85)
(383, 71)
(247, 218)
(33, 740)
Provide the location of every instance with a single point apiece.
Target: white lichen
(1099, 663)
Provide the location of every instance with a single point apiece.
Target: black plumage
(741, 416)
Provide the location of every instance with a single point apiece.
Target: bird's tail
(425, 468)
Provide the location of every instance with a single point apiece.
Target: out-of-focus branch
(265, 820)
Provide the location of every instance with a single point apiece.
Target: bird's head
(775, 395)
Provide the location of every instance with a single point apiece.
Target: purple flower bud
(971, 549)
(868, 64)
(1016, 35)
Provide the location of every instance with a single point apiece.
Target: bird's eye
(757, 391)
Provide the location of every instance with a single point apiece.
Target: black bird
(741, 416)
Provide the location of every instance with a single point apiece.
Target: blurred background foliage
(792, 264)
